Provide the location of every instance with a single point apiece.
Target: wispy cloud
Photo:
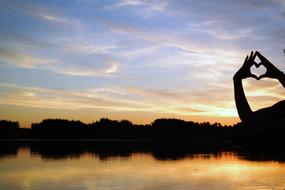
(87, 47)
(23, 60)
(114, 98)
(46, 14)
(63, 99)
(123, 3)
(161, 39)
(137, 52)
(142, 8)
(106, 66)
(110, 67)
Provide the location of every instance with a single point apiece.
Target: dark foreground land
(171, 133)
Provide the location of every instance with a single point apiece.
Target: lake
(31, 167)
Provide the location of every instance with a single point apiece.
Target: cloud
(86, 47)
(146, 5)
(137, 52)
(224, 35)
(113, 98)
(123, 3)
(160, 39)
(24, 61)
(46, 14)
(63, 99)
(194, 46)
(142, 8)
(105, 65)
(51, 49)
(105, 69)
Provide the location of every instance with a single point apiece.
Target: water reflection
(50, 166)
(136, 166)
(124, 149)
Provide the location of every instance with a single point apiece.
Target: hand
(272, 71)
(244, 71)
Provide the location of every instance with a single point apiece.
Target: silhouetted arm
(281, 79)
(243, 108)
(242, 105)
(275, 112)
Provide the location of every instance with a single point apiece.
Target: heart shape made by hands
(258, 70)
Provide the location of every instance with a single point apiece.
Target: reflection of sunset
(207, 171)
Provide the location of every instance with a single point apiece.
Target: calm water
(25, 169)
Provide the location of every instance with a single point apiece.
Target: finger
(258, 64)
(246, 59)
(255, 52)
(258, 54)
(262, 76)
(254, 55)
(262, 58)
(247, 62)
(250, 57)
(254, 76)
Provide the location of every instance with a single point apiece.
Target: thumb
(262, 76)
(254, 76)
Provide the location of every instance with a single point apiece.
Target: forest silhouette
(174, 132)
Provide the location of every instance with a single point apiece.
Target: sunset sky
(134, 59)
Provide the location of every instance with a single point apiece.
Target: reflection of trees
(108, 150)
(8, 149)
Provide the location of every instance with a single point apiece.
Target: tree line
(161, 130)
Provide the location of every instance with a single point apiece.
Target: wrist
(280, 75)
(237, 77)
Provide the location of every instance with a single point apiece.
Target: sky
(135, 59)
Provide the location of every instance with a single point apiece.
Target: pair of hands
(244, 71)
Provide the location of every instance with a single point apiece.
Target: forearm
(281, 78)
(243, 108)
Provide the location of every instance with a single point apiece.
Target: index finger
(262, 58)
(250, 60)
(252, 56)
